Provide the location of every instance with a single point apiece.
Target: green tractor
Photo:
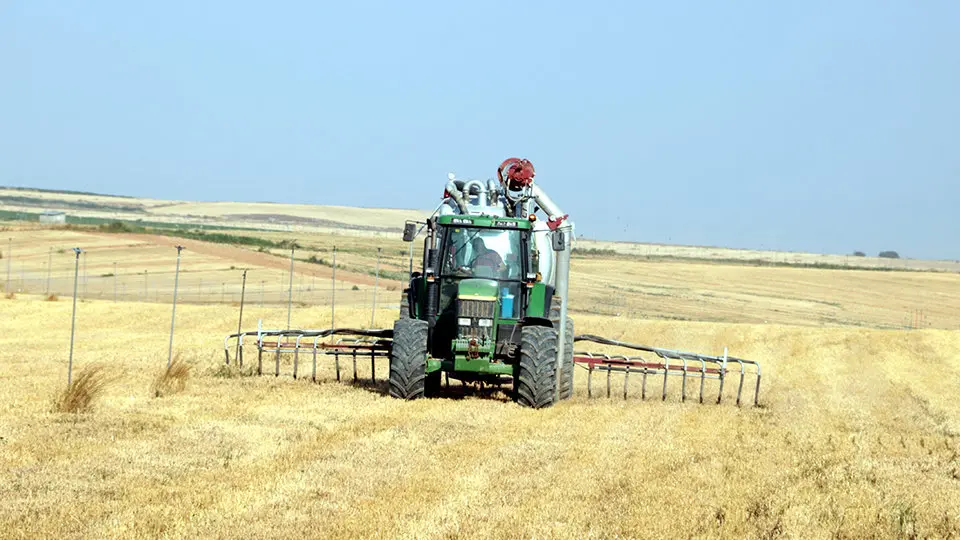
(488, 304)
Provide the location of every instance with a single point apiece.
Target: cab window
(482, 253)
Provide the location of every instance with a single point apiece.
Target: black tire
(566, 373)
(534, 382)
(405, 304)
(566, 376)
(408, 359)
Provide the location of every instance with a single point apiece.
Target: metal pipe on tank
(456, 196)
(562, 284)
(545, 202)
(493, 193)
(474, 184)
(481, 191)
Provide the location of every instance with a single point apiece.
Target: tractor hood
(477, 289)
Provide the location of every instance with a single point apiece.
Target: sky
(810, 125)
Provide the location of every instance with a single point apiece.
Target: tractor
(488, 305)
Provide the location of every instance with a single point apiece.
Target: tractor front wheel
(535, 380)
(408, 359)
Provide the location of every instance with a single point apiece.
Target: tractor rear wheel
(408, 359)
(566, 375)
(566, 372)
(535, 380)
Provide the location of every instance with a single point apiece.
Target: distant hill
(91, 208)
(261, 215)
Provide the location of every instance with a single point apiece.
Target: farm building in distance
(53, 216)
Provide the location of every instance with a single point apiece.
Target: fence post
(9, 258)
(376, 285)
(73, 318)
(173, 318)
(243, 294)
(333, 291)
(86, 276)
(49, 268)
(290, 295)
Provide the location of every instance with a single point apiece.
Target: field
(857, 435)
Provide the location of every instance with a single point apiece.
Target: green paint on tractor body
(478, 289)
(486, 222)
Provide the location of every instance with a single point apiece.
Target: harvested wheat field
(858, 435)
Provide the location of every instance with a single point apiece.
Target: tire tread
(408, 359)
(535, 380)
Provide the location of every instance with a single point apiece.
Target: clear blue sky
(811, 125)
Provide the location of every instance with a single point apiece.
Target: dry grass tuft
(84, 391)
(171, 380)
(10, 296)
(52, 298)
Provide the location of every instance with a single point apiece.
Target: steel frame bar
(375, 343)
(668, 363)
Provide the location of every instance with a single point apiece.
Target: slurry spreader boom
(489, 306)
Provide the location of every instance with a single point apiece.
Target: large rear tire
(566, 375)
(566, 372)
(534, 382)
(408, 359)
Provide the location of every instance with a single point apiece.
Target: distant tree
(889, 255)
(859, 254)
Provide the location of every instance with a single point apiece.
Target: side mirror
(559, 241)
(409, 231)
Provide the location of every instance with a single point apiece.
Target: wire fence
(109, 275)
(200, 282)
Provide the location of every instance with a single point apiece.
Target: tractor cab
(483, 266)
(480, 253)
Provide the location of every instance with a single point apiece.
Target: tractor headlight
(463, 321)
(485, 323)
